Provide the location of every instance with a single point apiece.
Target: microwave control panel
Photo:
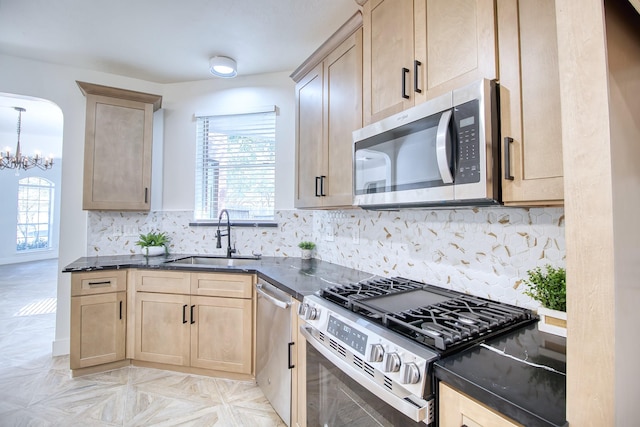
(467, 128)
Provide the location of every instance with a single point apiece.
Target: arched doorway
(40, 131)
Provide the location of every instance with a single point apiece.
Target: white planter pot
(306, 253)
(552, 321)
(152, 250)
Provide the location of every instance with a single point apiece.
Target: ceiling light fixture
(223, 66)
(18, 161)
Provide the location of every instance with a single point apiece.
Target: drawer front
(222, 285)
(169, 282)
(102, 282)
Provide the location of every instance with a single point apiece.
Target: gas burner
(345, 295)
(439, 318)
(455, 322)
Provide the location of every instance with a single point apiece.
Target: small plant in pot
(307, 248)
(153, 244)
(549, 288)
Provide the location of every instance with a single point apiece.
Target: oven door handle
(443, 147)
(417, 409)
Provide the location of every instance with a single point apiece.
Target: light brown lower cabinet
(98, 329)
(208, 332)
(98, 318)
(457, 409)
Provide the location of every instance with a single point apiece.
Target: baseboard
(60, 347)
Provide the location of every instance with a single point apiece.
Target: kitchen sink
(215, 261)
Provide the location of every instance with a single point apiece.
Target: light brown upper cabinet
(415, 51)
(117, 155)
(328, 110)
(530, 103)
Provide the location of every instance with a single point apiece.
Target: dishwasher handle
(275, 301)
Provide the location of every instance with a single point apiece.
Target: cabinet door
(456, 409)
(309, 139)
(98, 325)
(162, 328)
(455, 43)
(222, 334)
(388, 49)
(530, 103)
(117, 163)
(343, 115)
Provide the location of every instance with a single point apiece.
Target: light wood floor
(36, 389)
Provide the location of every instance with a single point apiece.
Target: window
(235, 166)
(35, 214)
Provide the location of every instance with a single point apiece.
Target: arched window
(35, 214)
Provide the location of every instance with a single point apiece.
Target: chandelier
(18, 161)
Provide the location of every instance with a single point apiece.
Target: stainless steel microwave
(442, 152)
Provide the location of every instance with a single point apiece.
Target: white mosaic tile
(482, 251)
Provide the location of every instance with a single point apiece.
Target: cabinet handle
(322, 177)
(416, 64)
(184, 313)
(192, 321)
(404, 83)
(317, 186)
(291, 365)
(146, 194)
(507, 158)
(121, 310)
(106, 282)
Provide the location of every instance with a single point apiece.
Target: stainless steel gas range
(371, 347)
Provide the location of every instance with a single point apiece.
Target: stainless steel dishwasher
(273, 352)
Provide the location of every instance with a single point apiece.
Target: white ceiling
(163, 41)
(168, 41)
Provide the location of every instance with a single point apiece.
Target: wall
(484, 251)
(182, 101)
(58, 85)
(599, 67)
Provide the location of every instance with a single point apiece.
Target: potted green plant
(153, 244)
(307, 248)
(549, 288)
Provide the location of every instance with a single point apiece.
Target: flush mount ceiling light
(223, 66)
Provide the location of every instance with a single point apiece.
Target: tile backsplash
(482, 251)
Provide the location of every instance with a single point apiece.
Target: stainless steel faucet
(228, 234)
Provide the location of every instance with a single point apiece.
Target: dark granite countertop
(298, 277)
(521, 375)
(501, 373)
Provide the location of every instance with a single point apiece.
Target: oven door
(335, 399)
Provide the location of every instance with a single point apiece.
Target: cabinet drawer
(222, 285)
(91, 283)
(169, 282)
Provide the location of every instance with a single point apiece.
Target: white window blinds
(235, 166)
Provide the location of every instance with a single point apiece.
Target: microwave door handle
(442, 142)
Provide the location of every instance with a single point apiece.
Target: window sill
(255, 224)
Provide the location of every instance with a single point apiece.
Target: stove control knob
(302, 310)
(374, 353)
(410, 373)
(391, 362)
(312, 313)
